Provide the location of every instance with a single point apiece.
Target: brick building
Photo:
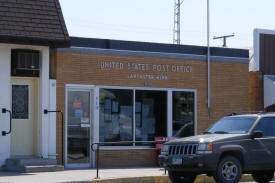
(114, 91)
(109, 91)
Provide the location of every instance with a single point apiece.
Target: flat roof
(156, 50)
(156, 47)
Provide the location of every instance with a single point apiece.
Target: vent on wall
(25, 63)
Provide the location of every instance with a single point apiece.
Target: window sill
(117, 148)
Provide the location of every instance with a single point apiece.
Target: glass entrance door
(79, 127)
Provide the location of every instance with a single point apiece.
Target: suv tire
(229, 170)
(181, 177)
(263, 176)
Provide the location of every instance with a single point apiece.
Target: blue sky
(152, 20)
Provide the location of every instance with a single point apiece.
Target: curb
(206, 179)
(150, 179)
(164, 179)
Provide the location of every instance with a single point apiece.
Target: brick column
(255, 94)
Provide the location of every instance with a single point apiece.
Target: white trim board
(95, 111)
(256, 42)
(76, 87)
(169, 112)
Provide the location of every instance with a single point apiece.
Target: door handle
(4, 110)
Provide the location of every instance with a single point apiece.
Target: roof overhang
(53, 43)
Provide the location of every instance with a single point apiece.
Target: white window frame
(169, 112)
(76, 87)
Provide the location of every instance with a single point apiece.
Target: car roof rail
(266, 112)
(246, 112)
(232, 114)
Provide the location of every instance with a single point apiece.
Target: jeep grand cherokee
(232, 146)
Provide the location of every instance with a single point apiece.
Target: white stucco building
(27, 85)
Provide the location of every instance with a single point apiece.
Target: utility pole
(208, 60)
(176, 32)
(224, 38)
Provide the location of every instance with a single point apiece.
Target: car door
(267, 126)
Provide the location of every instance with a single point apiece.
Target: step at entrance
(32, 165)
(43, 168)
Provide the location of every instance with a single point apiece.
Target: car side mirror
(257, 134)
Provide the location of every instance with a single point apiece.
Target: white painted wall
(46, 101)
(255, 65)
(5, 101)
(52, 120)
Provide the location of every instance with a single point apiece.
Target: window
(267, 126)
(233, 125)
(25, 63)
(151, 117)
(183, 114)
(120, 120)
(20, 102)
(116, 115)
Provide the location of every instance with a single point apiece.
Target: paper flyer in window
(107, 104)
(138, 107)
(108, 115)
(138, 121)
(115, 123)
(114, 106)
(108, 130)
(125, 122)
(145, 109)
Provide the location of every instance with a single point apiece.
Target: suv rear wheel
(229, 170)
(263, 176)
(181, 177)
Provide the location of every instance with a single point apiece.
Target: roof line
(151, 54)
(55, 1)
(59, 18)
(156, 47)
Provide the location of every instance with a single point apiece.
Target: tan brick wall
(256, 97)
(126, 158)
(229, 81)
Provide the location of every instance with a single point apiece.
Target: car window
(267, 126)
(234, 125)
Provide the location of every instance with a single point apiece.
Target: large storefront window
(183, 114)
(150, 115)
(116, 115)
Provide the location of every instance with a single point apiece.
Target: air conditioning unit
(25, 63)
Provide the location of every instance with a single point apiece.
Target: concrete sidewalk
(83, 175)
(127, 175)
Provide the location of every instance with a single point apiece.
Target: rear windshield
(233, 125)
